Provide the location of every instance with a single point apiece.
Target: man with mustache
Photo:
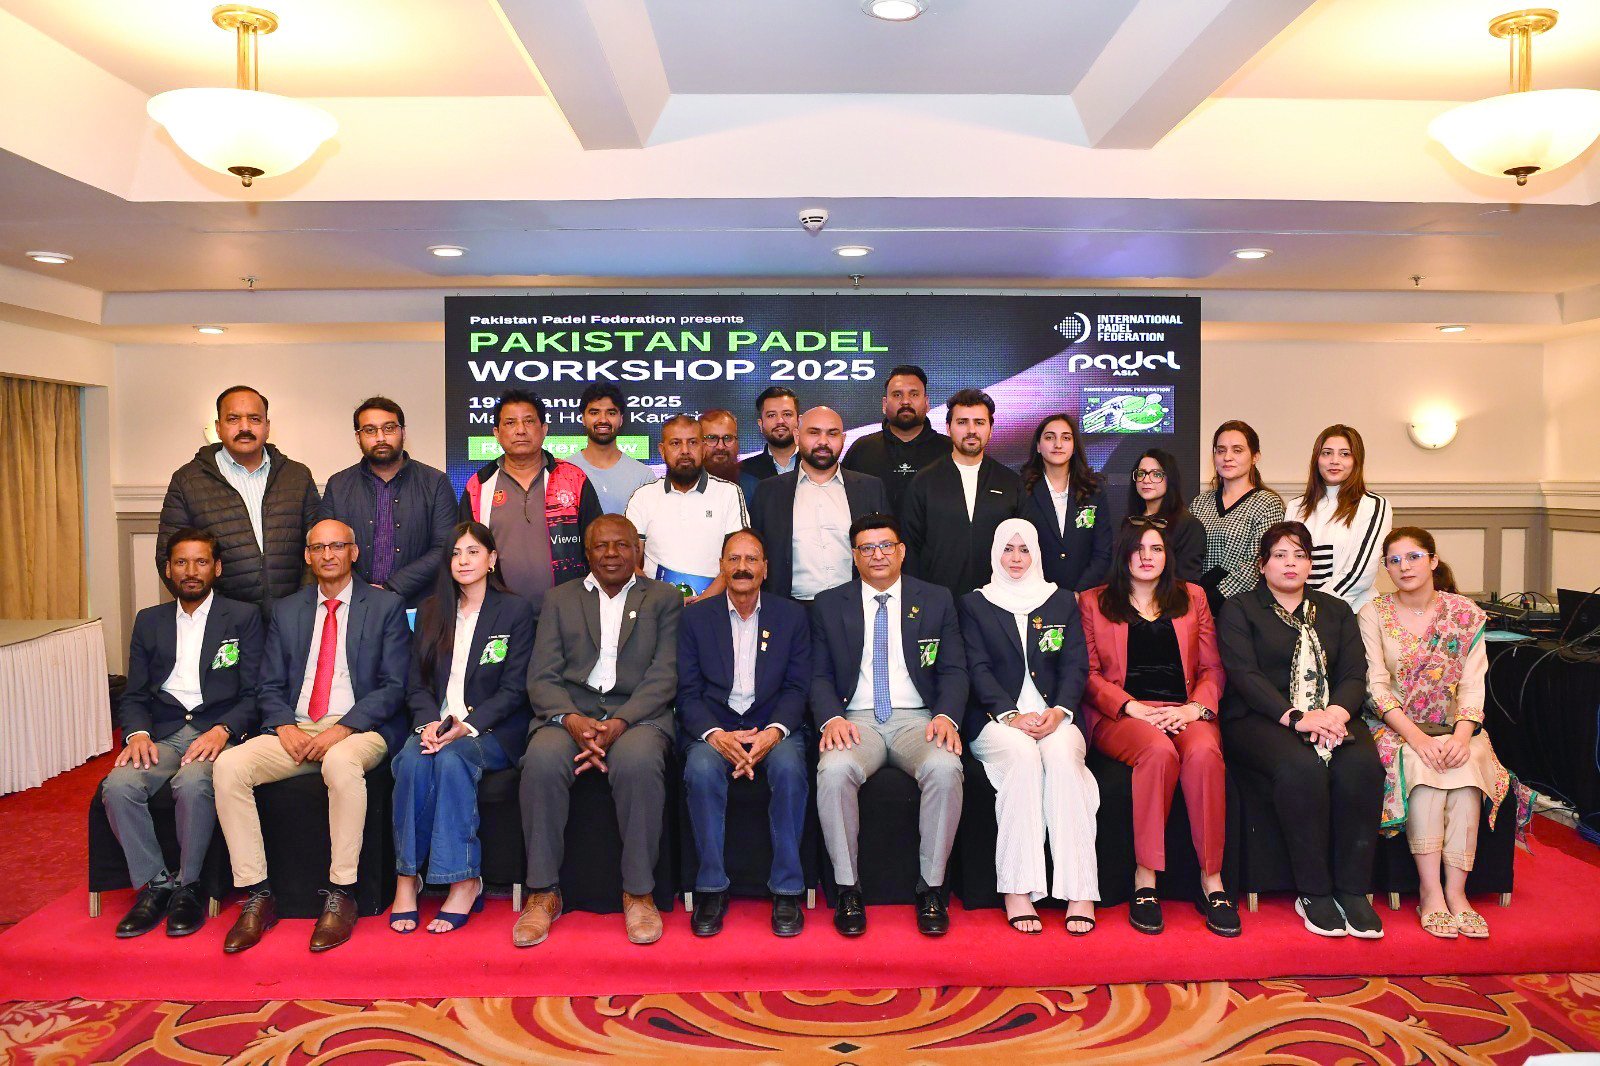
(952, 508)
(778, 417)
(192, 671)
(907, 442)
(403, 511)
(805, 515)
(683, 517)
(614, 474)
(744, 668)
(255, 500)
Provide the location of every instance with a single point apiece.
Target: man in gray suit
(602, 680)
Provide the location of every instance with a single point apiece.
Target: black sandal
(1027, 918)
(1080, 918)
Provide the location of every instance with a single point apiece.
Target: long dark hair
(1173, 506)
(1351, 489)
(1444, 579)
(1252, 440)
(436, 620)
(1085, 482)
(1116, 599)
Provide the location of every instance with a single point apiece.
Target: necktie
(880, 660)
(327, 652)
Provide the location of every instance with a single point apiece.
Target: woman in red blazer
(1155, 679)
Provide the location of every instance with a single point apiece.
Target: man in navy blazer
(889, 685)
(192, 668)
(333, 687)
(744, 665)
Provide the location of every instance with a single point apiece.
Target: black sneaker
(1321, 914)
(1360, 920)
(849, 916)
(1221, 916)
(1144, 911)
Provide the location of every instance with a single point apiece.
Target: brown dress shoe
(338, 921)
(641, 917)
(257, 914)
(533, 924)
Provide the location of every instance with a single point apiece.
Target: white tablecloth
(55, 706)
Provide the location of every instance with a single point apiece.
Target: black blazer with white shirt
(943, 545)
(1075, 557)
(227, 683)
(772, 516)
(996, 658)
(496, 693)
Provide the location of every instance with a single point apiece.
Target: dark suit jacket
(1257, 648)
(567, 646)
(996, 658)
(377, 645)
(705, 668)
(838, 641)
(228, 693)
(772, 516)
(1203, 676)
(942, 544)
(1076, 558)
(496, 693)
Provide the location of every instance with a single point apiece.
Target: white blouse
(455, 698)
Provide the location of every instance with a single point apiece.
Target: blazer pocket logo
(1085, 519)
(928, 651)
(1050, 638)
(227, 655)
(495, 650)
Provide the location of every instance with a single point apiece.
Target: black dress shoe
(187, 914)
(932, 918)
(850, 917)
(1144, 912)
(147, 911)
(1221, 916)
(709, 910)
(788, 917)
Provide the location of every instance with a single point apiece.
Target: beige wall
(1572, 409)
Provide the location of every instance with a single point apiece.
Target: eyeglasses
(1149, 475)
(332, 546)
(881, 548)
(1408, 557)
(726, 438)
(1147, 521)
(385, 430)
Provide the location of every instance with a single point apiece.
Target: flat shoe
(1441, 924)
(1472, 925)
(1016, 924)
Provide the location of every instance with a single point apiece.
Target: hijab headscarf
(1022, 595)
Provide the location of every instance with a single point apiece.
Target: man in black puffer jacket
(256, 501)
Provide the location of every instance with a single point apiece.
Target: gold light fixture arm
(247, 24)
(1520, 28)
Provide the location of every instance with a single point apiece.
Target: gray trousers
(127, 792)
(637, 773)
(900, 742)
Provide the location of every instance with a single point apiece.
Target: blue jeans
(436, 806)
(705, 777)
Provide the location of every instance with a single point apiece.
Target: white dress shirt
(821, 535)
(1060, 499)
(251, 486)
(903, 694)
(342, 696)
(183, 684)
(455, 695)
(969, 486)
(1030, 699)
(604, 675)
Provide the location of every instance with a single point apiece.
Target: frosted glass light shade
(243, 128)
(1543, 129)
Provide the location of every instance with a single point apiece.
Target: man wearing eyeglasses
(331, 699)
(402, 511)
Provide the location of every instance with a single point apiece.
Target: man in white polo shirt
(683, 517)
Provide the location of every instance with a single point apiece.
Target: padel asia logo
(1124, 366)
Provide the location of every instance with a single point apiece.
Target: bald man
(331, 698)
(804, 516)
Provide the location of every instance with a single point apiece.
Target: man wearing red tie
(332, 689)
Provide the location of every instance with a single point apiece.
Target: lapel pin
(1038, 621)
(633, 614)
(765, 636)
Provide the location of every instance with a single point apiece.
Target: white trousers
(1042, 788)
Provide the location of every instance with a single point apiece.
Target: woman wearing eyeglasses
(1155, 494)
(1236, 510)
(1297, 675)
(1155, 680)
(1347, 522)
(1066, 503)
(1026, 661)
(1426, 667)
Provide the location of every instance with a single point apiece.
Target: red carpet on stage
(60, 953)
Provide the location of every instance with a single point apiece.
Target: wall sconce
(1432, 431)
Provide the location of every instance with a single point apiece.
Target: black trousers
(1329, 812)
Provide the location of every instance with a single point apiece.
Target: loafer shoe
(709, 910)
(788, 916)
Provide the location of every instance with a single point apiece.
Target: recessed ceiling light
(1251, 253)
(894, 10)
(53, 258)
(447, 251)
(1454, 327)
(211, 329)
(852, 251)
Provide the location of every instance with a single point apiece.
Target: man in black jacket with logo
(255, 500)
(906, 443)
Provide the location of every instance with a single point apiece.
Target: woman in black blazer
(1027, 662)
(1297, 678)
(1066, 502)
(469, 715)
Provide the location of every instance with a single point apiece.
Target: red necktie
(326, 654)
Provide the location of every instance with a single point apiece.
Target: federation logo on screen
(1116, 410)
(1075, 327)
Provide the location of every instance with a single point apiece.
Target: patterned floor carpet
(1347, 1022)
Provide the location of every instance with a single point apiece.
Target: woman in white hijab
(1026, 656)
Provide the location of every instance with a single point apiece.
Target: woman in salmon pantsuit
(1155, 679)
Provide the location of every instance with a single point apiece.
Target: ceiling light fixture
(1521, 132)
(447, 251)
(51, 258)
(852, 251)
(1454, 327)
(1251, 253)
(894, 10)
(243, 131)
(213, 330)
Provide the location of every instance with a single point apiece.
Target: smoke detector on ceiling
(812, 219)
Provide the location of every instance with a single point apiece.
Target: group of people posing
(809, 614)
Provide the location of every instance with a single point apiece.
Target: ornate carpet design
(1349, 1022)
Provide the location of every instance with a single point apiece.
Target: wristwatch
(1295, 714)
(1005, 718)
